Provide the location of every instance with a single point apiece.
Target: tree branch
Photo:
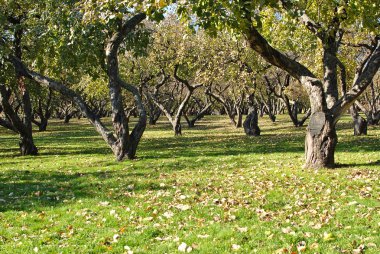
(368, 69)
(77, 99)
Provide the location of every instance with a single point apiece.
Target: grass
(213, 189)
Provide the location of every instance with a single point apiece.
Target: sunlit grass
(214, 189)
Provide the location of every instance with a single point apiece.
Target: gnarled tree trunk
(320, 142)
(326, 106)
(27, 146)
(250, 124)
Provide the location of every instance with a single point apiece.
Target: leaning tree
(327, 23)
(87, 36)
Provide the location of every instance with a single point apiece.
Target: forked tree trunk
(153, 118)
(26, 143)
(198, 116)
(326, 106)
(189, 122)
(231, 116)
(43, 124)
(320, 142)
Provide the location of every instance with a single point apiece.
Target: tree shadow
(24, 190)
(345, 165)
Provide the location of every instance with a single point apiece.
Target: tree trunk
(250, 125)
(262, 109)
(360, 124)
(190, 123)
(373, 118)
(232, 118)
(177, 129)
(272, 117)
(27, 146)
(152, 120)
(43, 125)
(320, 141)
(239, 119)
(67, 118)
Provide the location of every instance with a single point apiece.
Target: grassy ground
(213, 190)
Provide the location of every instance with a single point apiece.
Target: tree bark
(26, 144)
(321, 140)
(239, 122)
(360, 124)
(126, 143)
(198, 116)
(250, 125)
(177, 128)
(326, 108)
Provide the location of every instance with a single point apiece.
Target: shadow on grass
(24, 190)
(31, 190)
(343, 165)
(228, 144)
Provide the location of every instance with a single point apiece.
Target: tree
(175, 65)
(109, 24)
(250, 124)
(198, 108)
(370, 104)
(327, 22)
(174, 116)
(43, 108)
(12, 22)
(230, 71)
(279, 86)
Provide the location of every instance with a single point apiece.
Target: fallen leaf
(242, 230)
(182, 247)
(359, 249)
(235, 247)
(168, 214)
(104, 203)
(183, 207)
(115, 238)
(314, 246)
(327, 237)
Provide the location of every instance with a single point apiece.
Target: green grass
(211, 188)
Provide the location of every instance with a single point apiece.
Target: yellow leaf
(160, 3)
